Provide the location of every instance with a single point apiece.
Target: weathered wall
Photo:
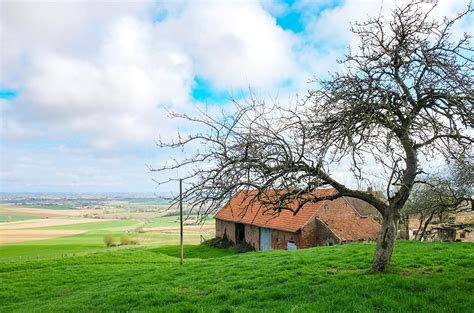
(252, 236)
(463, 235)
(464, 217)
(309, 235)
(323, 236)
(280, 239)
(227, 228)
(252, 233)
(315, 233)
(469, 237)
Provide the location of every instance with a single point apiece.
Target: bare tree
(441, 195)
(406, 93)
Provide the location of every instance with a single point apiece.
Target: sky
(86, 86)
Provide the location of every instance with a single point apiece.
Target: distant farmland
(31, 232)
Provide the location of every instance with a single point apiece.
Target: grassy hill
(425, 277)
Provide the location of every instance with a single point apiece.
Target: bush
(109, 241)
(243, 247)
(125, 241)
(140, 229)
(225, 243)
(218, 242)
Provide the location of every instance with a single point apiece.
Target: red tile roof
(353, 229)
(338, 215)
(240, 210)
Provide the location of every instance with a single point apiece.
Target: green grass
(14, 218)
(193, 251)
(170, 221)
(118, 225)
(53, 248)
(424, 277)
(165, 221)
(92, 241)
(49, 206)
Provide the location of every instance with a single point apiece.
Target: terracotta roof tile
(240, 210)
(338, 215)
(353, 229)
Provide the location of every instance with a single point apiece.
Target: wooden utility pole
(181, 220)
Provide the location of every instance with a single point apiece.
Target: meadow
(78, 273)
(424, 277)
(51, 232)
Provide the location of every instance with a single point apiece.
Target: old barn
(323, 223)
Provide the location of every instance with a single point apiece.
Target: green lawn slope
(424, 277)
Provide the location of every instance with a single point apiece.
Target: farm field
(87, 238)
(424, 277)
(13, 218)
(49, 233)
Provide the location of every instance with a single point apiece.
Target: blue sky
(85, 87)
(7, 94)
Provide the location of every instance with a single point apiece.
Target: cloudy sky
(85, 85)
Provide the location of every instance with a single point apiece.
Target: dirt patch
(47, 222)
(19, 235)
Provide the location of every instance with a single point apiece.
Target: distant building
(451, 232)
(458, 226)
(316, 224)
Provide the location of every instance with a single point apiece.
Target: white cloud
(232, 44)
(131, 66)
(333, 25)
(100, 71)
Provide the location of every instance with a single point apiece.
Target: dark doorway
(239, 233)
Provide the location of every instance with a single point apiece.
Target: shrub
(109, 240)
(125, 240)
(225, 243)
(218, 242)
(243, 247)
(140, 229)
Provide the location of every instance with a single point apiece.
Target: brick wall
(323, 236)
(252, 236)
(224, 227)
(280, 239)
(314, 233)
(309, 235)
(252, 233)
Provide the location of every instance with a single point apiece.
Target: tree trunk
(423, 231)
(418, 232)
(407, 227)
(385, 243)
